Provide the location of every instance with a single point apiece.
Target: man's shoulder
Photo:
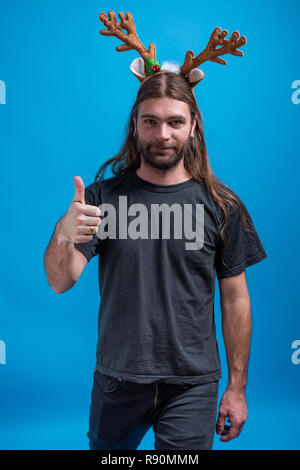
(98, 186)
(227, 199)
(106, 183)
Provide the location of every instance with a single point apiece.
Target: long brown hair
(196, 160)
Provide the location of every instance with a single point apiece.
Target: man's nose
(162, 131)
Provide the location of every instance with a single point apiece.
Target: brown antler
(131, 40)
(211, 53)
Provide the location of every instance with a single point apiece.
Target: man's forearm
(236, 326)
(59, 261)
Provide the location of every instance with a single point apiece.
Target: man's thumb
(79, 190)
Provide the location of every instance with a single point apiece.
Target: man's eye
(173, 123)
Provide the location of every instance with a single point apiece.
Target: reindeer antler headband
(147, 65)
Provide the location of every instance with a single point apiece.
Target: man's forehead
(164, 108)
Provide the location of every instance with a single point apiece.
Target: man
(169, 226)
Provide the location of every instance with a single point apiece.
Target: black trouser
(121, 412)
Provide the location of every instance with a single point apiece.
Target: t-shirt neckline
(160, 188)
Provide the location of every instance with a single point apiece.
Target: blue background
(68, 98)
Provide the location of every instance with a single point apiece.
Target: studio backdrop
(65, 99)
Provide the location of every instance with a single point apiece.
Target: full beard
(162, 159)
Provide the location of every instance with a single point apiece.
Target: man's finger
(92, 211)
(234, 431)
(79, 190)
(241, 427)
(220, 423)
(89, 220)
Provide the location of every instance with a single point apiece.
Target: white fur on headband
(170, 67)
(137, 68)
(195, 75)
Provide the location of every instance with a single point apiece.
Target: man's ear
(134, 123)
(193, 126)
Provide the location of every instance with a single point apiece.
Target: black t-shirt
(160, 251)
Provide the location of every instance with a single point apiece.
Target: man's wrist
(237, 384)
(60, 235)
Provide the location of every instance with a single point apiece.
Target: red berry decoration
(155, 68)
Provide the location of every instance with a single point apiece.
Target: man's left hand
(232, 406)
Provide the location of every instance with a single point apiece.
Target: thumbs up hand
(81, 221)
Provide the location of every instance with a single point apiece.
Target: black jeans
(121, 412)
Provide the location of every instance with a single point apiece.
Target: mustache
(161, 147)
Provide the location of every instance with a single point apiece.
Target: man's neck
(174, 175)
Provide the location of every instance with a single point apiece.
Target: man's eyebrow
(175, 116)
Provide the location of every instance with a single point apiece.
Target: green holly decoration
(152, 66)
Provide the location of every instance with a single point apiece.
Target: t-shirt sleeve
(91, 248)
(242, 247)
